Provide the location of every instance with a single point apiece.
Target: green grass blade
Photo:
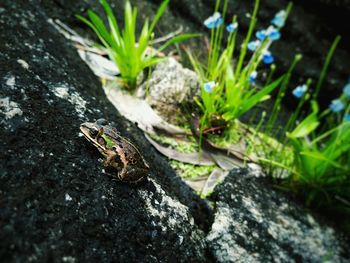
(257, 97)
(274, 163)
(112, 21)
(97, 21)
(308, 125)
(247, 39)
(159, 14)
(143, 39)
(326, 65)
(321, 157)
(178, 39)
(151, 61)
(92, 26)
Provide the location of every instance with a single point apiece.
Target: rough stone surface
(254, 223)
(56, 203)
(171, 85)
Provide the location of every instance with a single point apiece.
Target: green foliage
(322, 162)
(271, 124)
(187, 171)
(233, 92)
(325, 66)
(319, 167)
(130, 55)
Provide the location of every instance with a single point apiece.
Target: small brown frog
(120, 153)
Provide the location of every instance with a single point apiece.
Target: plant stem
(247, 39)
(277, 106)
(325, 66)
(295, 114)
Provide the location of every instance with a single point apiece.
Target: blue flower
(253, 45)
(337, 105)
(209, 86)
(347, 117)
(267, 57)
(252, 77)
(279, 19)
(214, 21)
(261, 35)
(273, 33)
(346, 90)
(232, 27)
(300, 91)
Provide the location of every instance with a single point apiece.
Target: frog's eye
(102, 122)
(93, 131)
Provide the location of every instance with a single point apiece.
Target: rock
(170, 86)
(57, 204)
(255, 223)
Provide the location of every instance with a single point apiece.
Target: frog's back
(130, 151)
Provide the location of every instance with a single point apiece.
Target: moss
(253, 143)
(256, 144)
(187, 171)
(231, 135)
(184, 146)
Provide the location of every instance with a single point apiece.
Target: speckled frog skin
(120, 153)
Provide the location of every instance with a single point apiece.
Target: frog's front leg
(111, 159)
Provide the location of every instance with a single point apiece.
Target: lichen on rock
(255, 223)
(169, 86)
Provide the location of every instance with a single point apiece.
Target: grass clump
(130, 54)
(311, 150)
(229, 90)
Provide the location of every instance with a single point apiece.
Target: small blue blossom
(209, 86)
(261, 35)
(347, 117)
(253, 45)
(279, 19)
(252, 77)
(214, 21)
(232, 27)
(337, 105)
(346, 90)
(267, 57)
(273, 33)
(300, 91)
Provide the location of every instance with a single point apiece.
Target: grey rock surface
(57, 204)
(255, 223)
(170, 86)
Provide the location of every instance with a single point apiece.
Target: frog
(121, 155)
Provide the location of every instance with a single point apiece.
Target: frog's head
(93, 132)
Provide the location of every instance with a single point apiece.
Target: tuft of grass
(228, 90)
(130, 54)
(322, 162)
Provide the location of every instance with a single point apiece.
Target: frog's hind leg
(111, 174)
(112, 160)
